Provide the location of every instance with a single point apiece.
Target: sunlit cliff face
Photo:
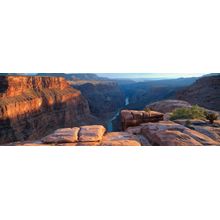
(33, 106)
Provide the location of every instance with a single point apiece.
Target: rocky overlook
(140, 128)
(31, 107)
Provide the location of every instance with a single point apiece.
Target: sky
(150, 75)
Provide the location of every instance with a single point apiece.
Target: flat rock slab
(174, 138)
(63, 135)
(154, 131)
(202, 138)
(91, 133)
(120, 139)
(95, 143)
(134, 130)
(121, 143)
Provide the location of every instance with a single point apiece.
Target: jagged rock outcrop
(31, 107)
(205, 92)
(131, 118)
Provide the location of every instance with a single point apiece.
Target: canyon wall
(104, 97)
(31, 107)
(204, 92)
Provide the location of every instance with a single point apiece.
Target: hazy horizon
(137, 75)
(150, 75)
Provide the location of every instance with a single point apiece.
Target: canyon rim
(100, 110)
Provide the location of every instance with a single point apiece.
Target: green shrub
(211, 116)
(195, 112)
(147, 110)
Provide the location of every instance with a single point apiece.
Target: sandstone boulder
(63, 135)
(91, 133)
(131, 118)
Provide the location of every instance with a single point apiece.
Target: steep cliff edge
(204, 92)
(104, 97)
(31, 107)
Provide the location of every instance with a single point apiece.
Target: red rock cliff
(31, 107)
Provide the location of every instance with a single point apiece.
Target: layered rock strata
(131, 118)
(31, 107)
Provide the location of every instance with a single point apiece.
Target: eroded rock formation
(31, 107)
(131, 118)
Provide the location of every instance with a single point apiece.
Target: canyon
(32, 107)
(104, 96)
(140, 128)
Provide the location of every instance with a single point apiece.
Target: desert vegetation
(194, 112)
(211, 116)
